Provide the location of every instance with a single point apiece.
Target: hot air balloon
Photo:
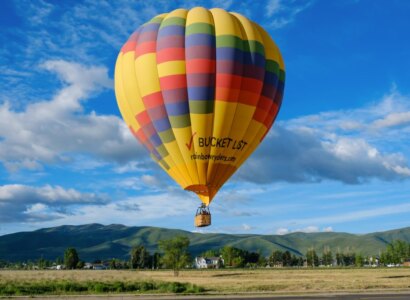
(199, 89)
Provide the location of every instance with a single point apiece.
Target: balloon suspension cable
(203, 210)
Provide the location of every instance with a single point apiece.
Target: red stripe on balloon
(170, 54)
(153, 100)
(227, 94)
(145, 48)
(264, 106)
(260, 115)
(140, 135)
(248, 98)
(200, 66)
(271, 116)
(143, 118)
(129, 46)
(252, 85)
(173, 82)
(265, 103)
(228, 81)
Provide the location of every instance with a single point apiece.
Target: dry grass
(239, 281)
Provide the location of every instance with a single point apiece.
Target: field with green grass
(280, 281)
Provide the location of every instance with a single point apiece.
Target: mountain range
(96, 241)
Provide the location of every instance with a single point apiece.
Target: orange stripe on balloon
(227, 94)
(248, 98)
(271, 116)
(200, 66)
(228, 81)
(265, 103)
(252, 85)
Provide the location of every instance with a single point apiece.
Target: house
(208, 262)
(88, 266)
(406, 263)
(99, 267)
(374, 261)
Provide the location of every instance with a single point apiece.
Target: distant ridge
(96, 241)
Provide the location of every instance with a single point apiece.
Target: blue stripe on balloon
(155, 140)
(177, 109)
(201, 93)
(162, 124)
(199, 39)
(234, 54)
(171, 30)
(271, 78)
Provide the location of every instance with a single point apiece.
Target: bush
(93, 287)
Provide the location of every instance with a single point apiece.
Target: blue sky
(337, 158)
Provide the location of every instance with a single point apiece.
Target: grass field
(219, 281)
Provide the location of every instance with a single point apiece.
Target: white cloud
(373, 120)
(131, 166)
(83, 79)
(140, 210)
(328, 229)
(48, 194)
(224, 4)
(40, 10)
(307, 229)
(294, 155)
(21, 203)
(357, 215)
(318, 147)
(282, 231)
(143, 182)
(151, 181)
(57, 130)
(284, 12)
(393, 119)
(36, 208)
(247, 227)
(272, 7)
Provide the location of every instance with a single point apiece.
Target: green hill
(95, 241)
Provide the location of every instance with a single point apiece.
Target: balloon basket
(203, 216)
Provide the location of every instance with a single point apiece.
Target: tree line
(173, 254)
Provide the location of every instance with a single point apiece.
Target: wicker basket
(202, 220)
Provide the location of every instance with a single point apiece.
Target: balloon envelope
(199, 89)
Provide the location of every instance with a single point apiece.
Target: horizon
(337, 158)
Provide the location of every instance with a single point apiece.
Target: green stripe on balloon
(198, 28)
(180, 121)
(173, 21)
(201, 107)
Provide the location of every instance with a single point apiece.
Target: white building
(208, 262)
